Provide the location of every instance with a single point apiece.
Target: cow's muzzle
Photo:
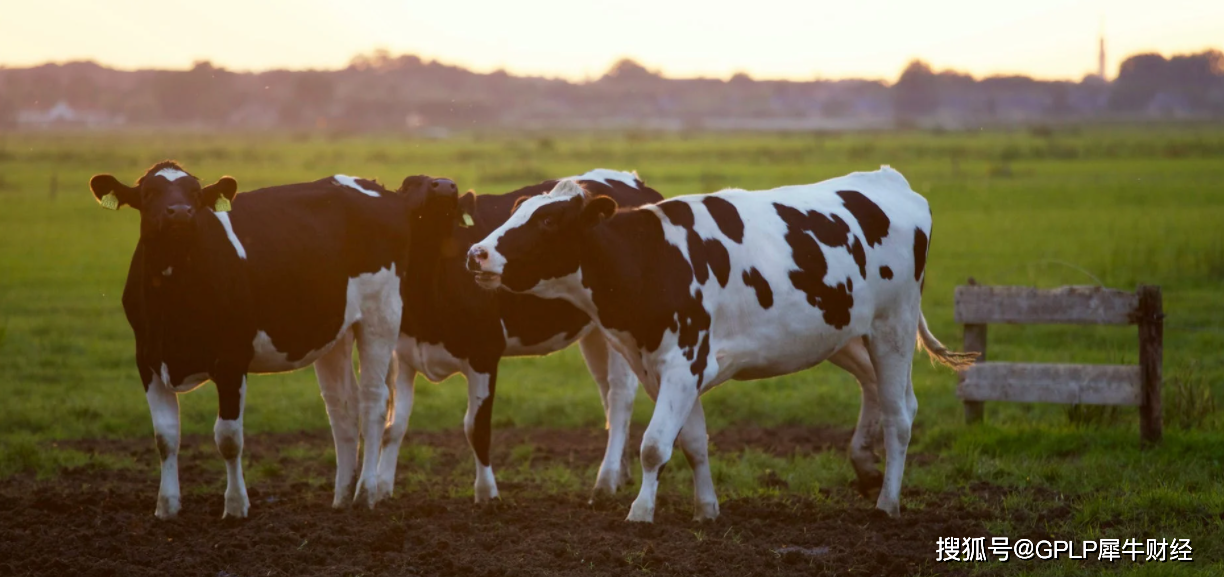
(477, 260)
(444, 186)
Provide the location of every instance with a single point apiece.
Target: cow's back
(304, 245)
(787, 276)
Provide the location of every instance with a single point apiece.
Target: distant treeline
(381, 92)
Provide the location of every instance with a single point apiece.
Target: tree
(1139, 79)
(314, 89)
(627, 70)
(916, 93)
(200, 94)
(8, 113)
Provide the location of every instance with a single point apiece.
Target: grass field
(1112, 206)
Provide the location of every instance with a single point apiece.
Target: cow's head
(435, 214)
(423, 190)
(168, 198)
(540, 240)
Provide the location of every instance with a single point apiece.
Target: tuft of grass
(1187, 399)
(26, 454)
(264, 470)
(1094, 416)
(522, 454)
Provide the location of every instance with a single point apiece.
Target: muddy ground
(94, 521)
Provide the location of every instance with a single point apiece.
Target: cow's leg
(334, 370)
(478, 424)
(231, 398)
(617, 387)
(376, 338)
(696, 446)
(911, 400)
(164, 408)
(854, 359)
(677, 395)
(397, 426)
(891, 346)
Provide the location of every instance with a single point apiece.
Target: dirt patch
(99, 522)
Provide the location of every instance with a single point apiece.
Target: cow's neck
(181, 276)
(429, 268)
(609, 278)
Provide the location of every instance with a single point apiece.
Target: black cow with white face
(702, 289)
(289, 278)
(450, 325)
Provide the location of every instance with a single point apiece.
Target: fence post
(975, 342)
(1151, 359)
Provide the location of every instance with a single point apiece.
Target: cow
(450, 325)
(292, 276)
(701, 289)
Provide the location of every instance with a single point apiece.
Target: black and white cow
(450, 325)
(698, 290)
(290, 277)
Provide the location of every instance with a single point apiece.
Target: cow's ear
(413, 183)
(219, 194)
(112, 194)
(517, 202)
(597, 210)
(467, 209)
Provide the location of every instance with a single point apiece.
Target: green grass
(1115, 206)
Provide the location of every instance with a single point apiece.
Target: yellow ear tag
(467, 220)
(223, 205)
(110, 201)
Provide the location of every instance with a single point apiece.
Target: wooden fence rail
(979, 306)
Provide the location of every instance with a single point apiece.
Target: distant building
(1170, 104)
(62, 114)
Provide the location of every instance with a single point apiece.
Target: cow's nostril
(180, 212)
(476, 258)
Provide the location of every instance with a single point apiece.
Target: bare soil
(94, 521)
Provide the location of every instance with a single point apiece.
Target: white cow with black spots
(702, 289)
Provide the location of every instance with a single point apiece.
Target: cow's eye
(547, 223)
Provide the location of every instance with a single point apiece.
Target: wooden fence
(978, 306)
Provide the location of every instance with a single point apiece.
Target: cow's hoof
(605, 485)
(705, 511)
(603, 497)
(893, 510)
(167, 508)
(384, 491)
(485, 494)
(236, 508)
(485, 499)
(640, 513)
(365, 496)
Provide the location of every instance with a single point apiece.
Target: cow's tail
(392, 376)
(938, 352)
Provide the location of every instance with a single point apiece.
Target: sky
(580, 39)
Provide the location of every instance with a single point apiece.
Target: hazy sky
(579, 39)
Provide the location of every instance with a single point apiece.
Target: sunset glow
(577, 40)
